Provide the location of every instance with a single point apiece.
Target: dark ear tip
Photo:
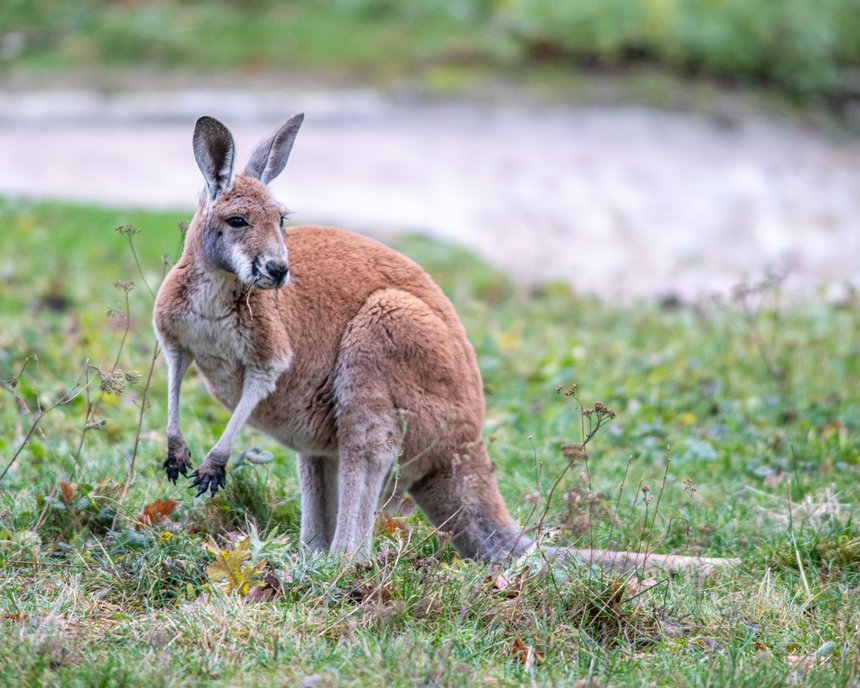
(207, 123)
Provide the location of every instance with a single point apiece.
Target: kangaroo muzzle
(269, 274)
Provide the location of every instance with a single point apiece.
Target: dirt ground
(624, 202)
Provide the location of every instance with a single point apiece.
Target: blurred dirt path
(622, 202)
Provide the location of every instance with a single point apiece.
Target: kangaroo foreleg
(178, 459)
(210, 476)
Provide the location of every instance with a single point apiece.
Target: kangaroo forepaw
(178, 459)
(208, 477)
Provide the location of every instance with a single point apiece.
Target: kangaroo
(336, 346)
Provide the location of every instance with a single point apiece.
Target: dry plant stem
(618, 499)
(806, 588)
(779, 372)
(662, 485)
(539, 480)
(10, 385)
(130, 475)
(137, 264)
(645, 526)
(64, 399)
(92, 408)
(143, 399)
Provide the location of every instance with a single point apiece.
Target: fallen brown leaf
(368, 592)
(271, 588)
(156, 513)
(393, 524)
(524, 654)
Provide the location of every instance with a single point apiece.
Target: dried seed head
(574, 452)
(132, 377)
(127, 230)
(602, 410)
(124, 286)
(113, 382)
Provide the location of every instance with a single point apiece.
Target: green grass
(756, 409)
(804, 47)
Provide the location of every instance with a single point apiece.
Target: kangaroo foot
(208, 477)
(178, 459)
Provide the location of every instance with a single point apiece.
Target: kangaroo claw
(178, 459)
(208, 478)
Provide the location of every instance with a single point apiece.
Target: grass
(801, 47)
(738, 418)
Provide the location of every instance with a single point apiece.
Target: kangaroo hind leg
(367, 453)
(462, 498)
(319, 490)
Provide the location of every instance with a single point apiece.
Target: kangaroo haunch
(335, 345)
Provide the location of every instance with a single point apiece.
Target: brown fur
(370, 374)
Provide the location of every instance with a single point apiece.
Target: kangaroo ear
(214, 150)
(271, 156)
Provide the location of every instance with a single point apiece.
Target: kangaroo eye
(283, 220)
(237, 221)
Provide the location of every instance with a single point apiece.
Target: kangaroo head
(242, 228)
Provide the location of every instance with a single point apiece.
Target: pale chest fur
(219, 352)
(209, 328)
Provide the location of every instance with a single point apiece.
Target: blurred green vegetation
(804, 47)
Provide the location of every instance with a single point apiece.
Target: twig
(64, 399)
(143, 398)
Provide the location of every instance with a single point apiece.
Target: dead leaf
(638, 587)
(271, 588)
(511, 584)
(524, 654)
(156, 513)
(368, 592)
(16, 618)
(392, 524)
(233, 571)
(68, 492)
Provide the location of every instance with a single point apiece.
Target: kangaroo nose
(277, 271)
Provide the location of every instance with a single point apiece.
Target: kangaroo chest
(220, 353)
(217, 334)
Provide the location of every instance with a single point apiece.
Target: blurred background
(632, 148)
